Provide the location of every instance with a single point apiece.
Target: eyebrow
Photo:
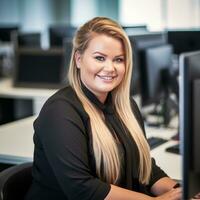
(99, 53)
(106, 55)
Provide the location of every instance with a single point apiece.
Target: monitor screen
(189, 122)
(184, 40)
(6, 31)
(40, 68)
(58, 33)
(155, 73)
(28, 39)
(139, 43)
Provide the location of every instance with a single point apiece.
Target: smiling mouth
(107, 77)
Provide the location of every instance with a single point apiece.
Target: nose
(109, 66)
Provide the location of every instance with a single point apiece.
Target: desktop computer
(189, 122)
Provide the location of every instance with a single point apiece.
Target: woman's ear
(78, 59)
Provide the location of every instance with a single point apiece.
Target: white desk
(39, 96)
(16, 146)
(16, 141)
(169, 162)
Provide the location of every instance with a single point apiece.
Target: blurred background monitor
(189, 122)
(184, 40)
(58, 33)
(139, 43)
(6, 32)
(155, 82)
(14, 109)
(156, 64)
(27, 39)
(40, 68)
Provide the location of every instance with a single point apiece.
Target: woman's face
(102, 65)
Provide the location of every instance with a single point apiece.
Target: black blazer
(64, 165)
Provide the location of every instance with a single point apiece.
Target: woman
(89, 137)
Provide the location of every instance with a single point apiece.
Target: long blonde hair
(104, 145)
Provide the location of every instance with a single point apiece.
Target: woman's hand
(173, 194)
(197, 196)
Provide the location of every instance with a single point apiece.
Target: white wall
(159, 14)
(141, 12)
(33, 15)
(82, 11)
(183, 13)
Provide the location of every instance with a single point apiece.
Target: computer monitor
(6, 32)
(184, 40)
(155, 70)
(139, 43)
(40, 68)
(28, 39)
(189, 122)
(58, 33)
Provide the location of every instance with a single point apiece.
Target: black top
(64, 165)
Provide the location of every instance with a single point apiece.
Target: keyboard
(174, 149)
(155, 142)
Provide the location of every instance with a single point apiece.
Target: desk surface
(169, 162)
(16, 146)
(39, 96)
(16, 141)
(7, 90)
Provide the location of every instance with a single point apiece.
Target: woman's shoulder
(67, 93)
(61, 112)
(64, 101)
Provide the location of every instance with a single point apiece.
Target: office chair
(15, 181)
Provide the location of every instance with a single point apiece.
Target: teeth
(107, 77)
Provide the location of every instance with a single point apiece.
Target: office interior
(35, 48)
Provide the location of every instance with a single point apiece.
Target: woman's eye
(100, 58)
(119, 60)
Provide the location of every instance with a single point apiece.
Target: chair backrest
(15, 182)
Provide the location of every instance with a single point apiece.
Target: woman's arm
(117, 193)
(163, 185)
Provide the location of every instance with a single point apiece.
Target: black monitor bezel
(29, 39)
(8, 29)
(139, 42)
(189, 176)
(58, 33)
(146, 77)
(184, 40)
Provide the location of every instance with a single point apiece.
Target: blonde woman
(89, 137)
